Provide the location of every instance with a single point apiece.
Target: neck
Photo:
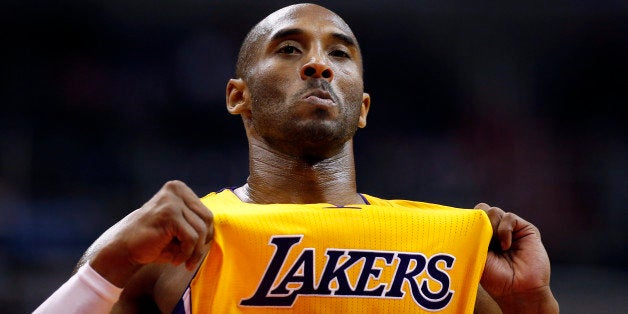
(279, 178)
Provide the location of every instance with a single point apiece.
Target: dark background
(516, 104)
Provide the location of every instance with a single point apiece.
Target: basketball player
(297, 235)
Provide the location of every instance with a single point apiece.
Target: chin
(312, 138)
(321, 146)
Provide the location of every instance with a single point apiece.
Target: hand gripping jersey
(389, 256)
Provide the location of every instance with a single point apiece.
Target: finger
(203, 220)
(192, 261)
(186, 225)
(168, 254)
(202, 230)
(522, 228)
(197, 223)
(495, 215)
(205, 215)
(196, 257)
(187, 238)
(505, 230)
(172, 254)
(482, 206)
(193, 202)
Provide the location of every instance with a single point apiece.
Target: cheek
(264, 85)
(346, 71)
(352, 89)
(354, 106)
(348, 77)
(268, 98)
(274, 76)
(270, 87)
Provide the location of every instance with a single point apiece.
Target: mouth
(319, 97)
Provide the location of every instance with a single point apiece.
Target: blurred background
(516, 104)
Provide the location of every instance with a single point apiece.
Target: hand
(517, 270)
(172, 227)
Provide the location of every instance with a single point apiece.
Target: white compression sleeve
(85, 292)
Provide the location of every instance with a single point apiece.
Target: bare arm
(173, 227)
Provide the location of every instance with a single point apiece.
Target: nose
(316, 69)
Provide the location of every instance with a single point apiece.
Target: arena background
(517, 104)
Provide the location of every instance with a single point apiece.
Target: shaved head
(261, 31)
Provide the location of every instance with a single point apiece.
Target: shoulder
(372, 200)
(221, 199)
(433, 210)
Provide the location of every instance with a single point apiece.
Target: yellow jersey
(391, 256)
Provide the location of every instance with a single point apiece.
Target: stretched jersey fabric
(390, 256)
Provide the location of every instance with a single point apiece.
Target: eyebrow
(285, 33)
(289, 32)
(344, 38)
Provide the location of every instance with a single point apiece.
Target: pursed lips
(319, 97)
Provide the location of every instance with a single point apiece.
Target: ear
(238, 97)
(364, 109)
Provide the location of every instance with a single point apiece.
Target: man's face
(305, 83)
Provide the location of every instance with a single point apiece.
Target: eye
(288, 49)
(340, 54)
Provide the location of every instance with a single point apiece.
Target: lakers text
(416, 269)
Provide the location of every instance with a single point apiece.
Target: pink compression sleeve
(85, 292)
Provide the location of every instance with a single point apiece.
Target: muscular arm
(172, 228)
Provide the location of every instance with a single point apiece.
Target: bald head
(262, 31)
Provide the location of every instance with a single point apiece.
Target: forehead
(309, 18)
